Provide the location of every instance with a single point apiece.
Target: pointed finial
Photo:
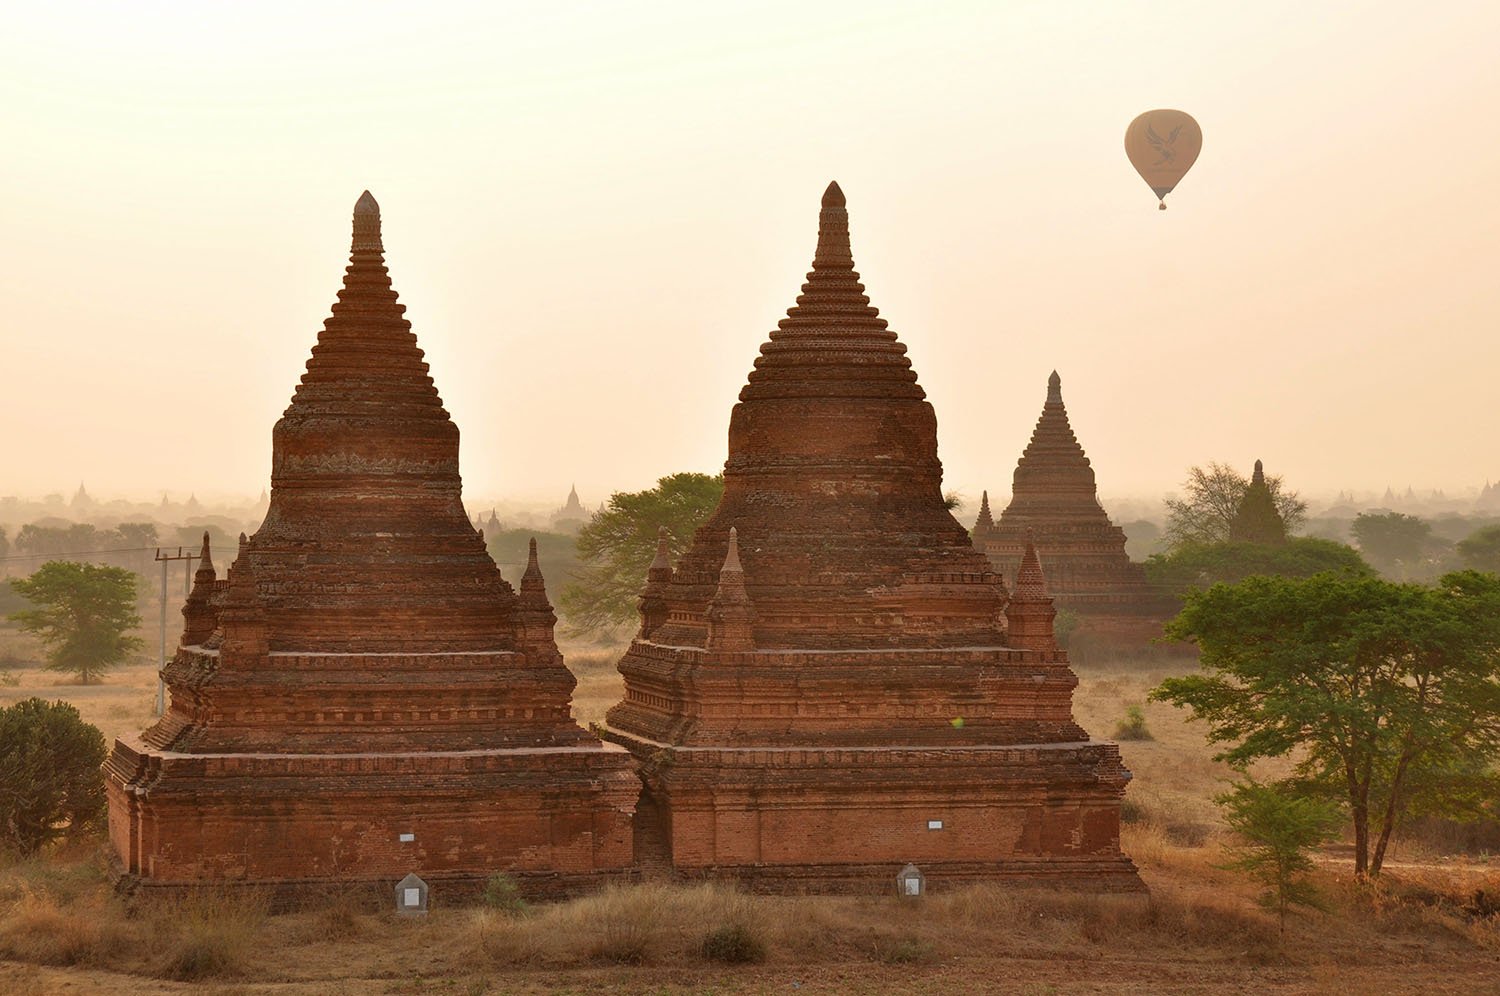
(533, 568)
(1054, 389)
(366, 226)
(985, 520)
(205, 559)
(1030, 583)
(1259, 477)
(243, 540)
(732, 558)
(833, 231)
(663, 559)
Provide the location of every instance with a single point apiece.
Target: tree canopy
(1392, 540)
(1211, 501)
(617, 545)
(1481, 550)
(49, 773)
(1386, 695)
(1199, 565)
(83, 615)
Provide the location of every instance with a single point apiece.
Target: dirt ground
(1200, 931)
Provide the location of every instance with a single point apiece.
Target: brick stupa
(824, 688)
(1054, 499)
(364, 696)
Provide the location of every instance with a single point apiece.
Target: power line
(85, 553)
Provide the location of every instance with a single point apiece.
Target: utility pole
(161, 684)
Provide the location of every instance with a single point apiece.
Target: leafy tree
(1211, 500)
(137, 534)
(49, 773)
(1481, 551)
(83, 616)
(617, 545)
(1391, 540)
(1387, 695)
(4, 543)
(1199, 565)
(1278, 829)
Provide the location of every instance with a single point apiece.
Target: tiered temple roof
(823, 688)
(1054, 500)
(364, 679)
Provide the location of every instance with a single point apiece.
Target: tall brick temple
(1055, 500)
(832, 681)
(363, 695)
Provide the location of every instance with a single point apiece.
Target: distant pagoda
(1257, 520)
(1054, 499)
(833, 682)
(572, 516)
(364, 696)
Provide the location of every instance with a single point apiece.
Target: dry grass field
(1200, 931)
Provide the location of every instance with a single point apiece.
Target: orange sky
(595, 214)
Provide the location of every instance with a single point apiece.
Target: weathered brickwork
(364, 696)
(1054, 502)
(826, 686)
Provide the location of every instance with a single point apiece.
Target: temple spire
(833, 231)
(1054, 389)
(731, 616)
(366, 226)
(199, 618)
(536, 623)
(1259, 476)
(1030, 613)
(986, 519)
(205, 556)
(663, 559)
(652, 603)
(532, 579)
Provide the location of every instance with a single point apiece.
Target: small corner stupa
(363, 696)
(832, 682)
(1054, 499)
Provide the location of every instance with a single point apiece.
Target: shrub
(1133, 726)
(49, 773)
(733, 944)
(502, 893)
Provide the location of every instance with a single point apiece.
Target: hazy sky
(596, 213)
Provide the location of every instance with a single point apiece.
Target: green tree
(1481, 550)
(1278, 830)
(83, 616)
(1390, 539)
(49, 773)
(1192, 566)
(1387, 695)
(617, 545)
(1211, 499)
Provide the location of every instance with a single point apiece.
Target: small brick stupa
(1054, 500)
(364, 696)
(823, 689)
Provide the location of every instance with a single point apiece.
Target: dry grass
(1199, 930)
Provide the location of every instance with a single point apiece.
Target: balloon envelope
(1162, 146)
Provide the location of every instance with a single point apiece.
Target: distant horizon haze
(596, 214)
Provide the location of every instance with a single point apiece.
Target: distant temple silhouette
(572, 516)
(1054, 500)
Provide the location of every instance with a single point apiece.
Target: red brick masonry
(364, 696)
(833, 681)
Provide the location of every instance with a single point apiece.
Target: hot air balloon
(1162, 146)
